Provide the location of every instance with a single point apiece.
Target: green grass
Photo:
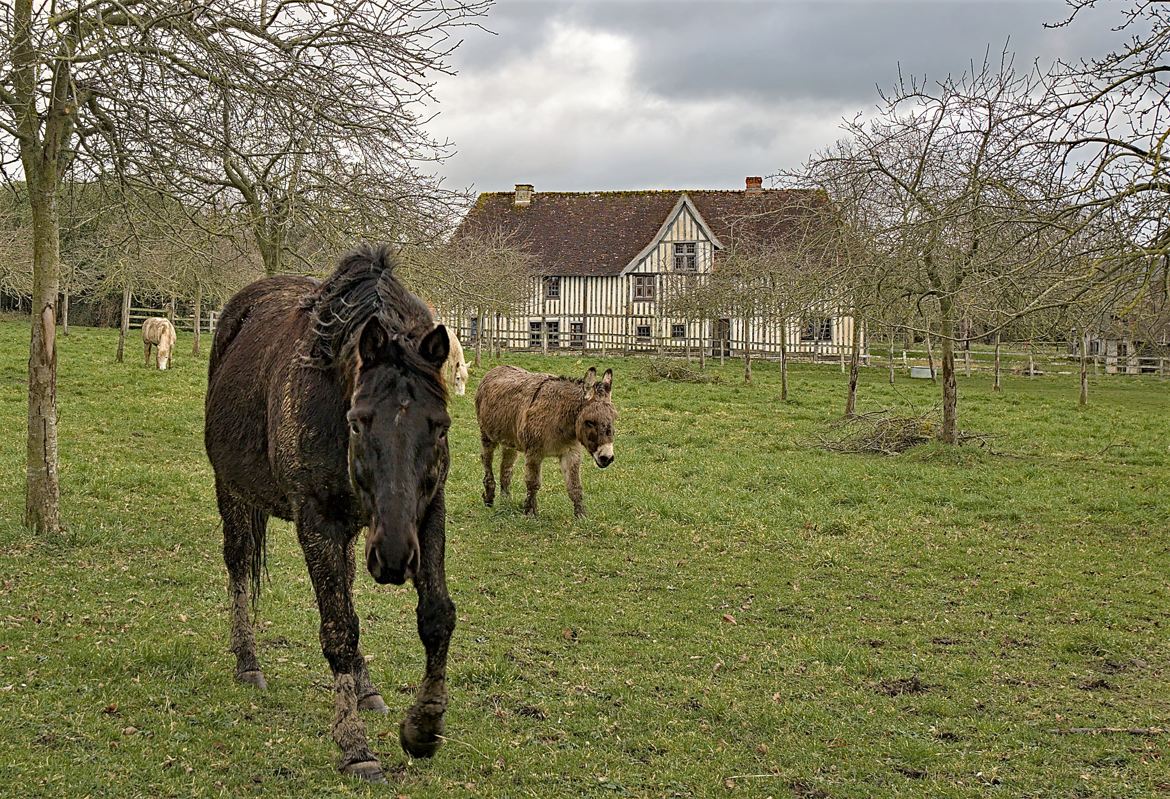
(914, 626)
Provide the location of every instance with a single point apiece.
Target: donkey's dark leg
(532, 464)
(507, 462)
(571, 469)
(489, 480)
(238, 549)
(327, 544)
(421, 730)
(368, 696)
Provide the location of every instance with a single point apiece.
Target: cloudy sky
(574, 95)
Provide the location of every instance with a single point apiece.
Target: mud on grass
(741, 613)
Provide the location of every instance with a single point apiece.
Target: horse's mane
(364, 286)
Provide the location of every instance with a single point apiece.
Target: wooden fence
(180, 321)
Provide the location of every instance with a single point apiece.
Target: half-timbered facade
(607, 263)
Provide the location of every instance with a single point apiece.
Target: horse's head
(398, 454)
(460, 378)
(595, 421)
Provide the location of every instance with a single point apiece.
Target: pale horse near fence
(455, 367)
(158, 332)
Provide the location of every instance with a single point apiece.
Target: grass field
(742, 614)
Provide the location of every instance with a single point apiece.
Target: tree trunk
(197, 317)
(479, 321)
(967, 357)
(930, 356)
(65, 313)
(1031, 361)
(497, 344)
(891, 357)
(42, 490)
(784, 361)
(854, 368)
(995, 386)
(702, 346)
(950, 425)
(124, 324)
(1084, 398)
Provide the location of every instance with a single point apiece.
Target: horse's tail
(258, 531)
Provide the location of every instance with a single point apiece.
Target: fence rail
(182, 322)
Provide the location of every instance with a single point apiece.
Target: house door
(721, 337)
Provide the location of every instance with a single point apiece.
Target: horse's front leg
(368, 696)
(422, 729)
(328, 545)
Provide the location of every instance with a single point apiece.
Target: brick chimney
(753, 185)
(524, 194)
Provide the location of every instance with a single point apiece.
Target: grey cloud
(817, 52)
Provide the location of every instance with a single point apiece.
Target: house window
(577, 335)
(642, 332)
(1122, 349)
(678, 331)
(552, 288)
(817, 328)
(643, 287)
(473, 328)
(1095, 346)
(551, 331)
(684, 257)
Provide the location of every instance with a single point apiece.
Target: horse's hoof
(373, 703)
(417, 743)
(255, 678)
(365, 770)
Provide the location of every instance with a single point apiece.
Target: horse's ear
(373, 344)
(435, 346)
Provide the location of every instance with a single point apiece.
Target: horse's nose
(383, 568)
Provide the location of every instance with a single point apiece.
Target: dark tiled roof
(599, 233)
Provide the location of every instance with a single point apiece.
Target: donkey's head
(595, 421)
(398, 454)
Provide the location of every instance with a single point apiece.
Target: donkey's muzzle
(604, 455)
(392, 563)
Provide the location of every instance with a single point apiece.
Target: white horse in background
(455, 367)
(159, 332)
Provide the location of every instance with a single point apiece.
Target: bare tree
(133, 87)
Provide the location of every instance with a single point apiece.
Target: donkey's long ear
(606, 384)
(373, 344)
(435, 346)
(590, 382)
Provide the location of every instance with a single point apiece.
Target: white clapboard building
(607, 259)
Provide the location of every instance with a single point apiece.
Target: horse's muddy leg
(368, 696)
(532, 464)
(238, 549)
(147, 347)
(507, 462)
(489, 480)
(421, 731)
(571, 469)
(326, 545)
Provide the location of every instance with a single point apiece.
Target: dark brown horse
(325, 407)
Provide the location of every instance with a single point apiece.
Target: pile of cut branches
(677, 371)
(883, 433)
